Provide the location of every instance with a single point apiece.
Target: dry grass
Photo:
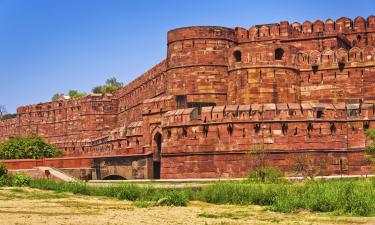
(30, 206)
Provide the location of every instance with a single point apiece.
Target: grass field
(353, 197)
(22, 205)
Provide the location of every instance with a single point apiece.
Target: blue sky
(50, 46)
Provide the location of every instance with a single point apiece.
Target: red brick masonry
(296, 88)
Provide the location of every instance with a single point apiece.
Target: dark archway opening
(279, 54)
(114, 177)
(237, 56)
(158, 140)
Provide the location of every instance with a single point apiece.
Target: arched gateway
(158, 139)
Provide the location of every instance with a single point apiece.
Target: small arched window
(279, 54)
(237, 56)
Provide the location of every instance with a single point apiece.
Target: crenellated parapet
(356, 30)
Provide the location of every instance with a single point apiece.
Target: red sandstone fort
(295, 88)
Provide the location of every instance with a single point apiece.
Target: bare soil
(30, 206)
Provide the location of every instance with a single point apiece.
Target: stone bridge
(115, 167)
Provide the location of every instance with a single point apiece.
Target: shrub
(6, 180)
(3, 170)
(21, 179)
(32, 147)
(266, 175)
(129, 192)
(173, 197)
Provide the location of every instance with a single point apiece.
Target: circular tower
(262, 73)
(197, 67)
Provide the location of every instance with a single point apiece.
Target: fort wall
(299, 89)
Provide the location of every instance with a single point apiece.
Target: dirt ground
(30, 206)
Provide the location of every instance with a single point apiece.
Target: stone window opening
(315, 68)
(284, 128)
(279, 54)
(257, 128)
(342, 64)
(169, 133)
(310, 127)
(230, 129)
(243, 132)
(296, 131)
(319, 114)
(333, 128)
(237, 56)
(217, 132)
(366, 125)
(137, 141)
(205, 130)
(184, 132)
(359, 37)
(353, 112)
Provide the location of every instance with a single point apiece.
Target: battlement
(307, 29)
(305, 112)
(200, 32)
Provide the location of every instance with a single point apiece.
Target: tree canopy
(32, 147)
(57, 96)
(4, 115)
(111, 85)
(74, 94)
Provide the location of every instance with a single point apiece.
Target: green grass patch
(353, 197)
(235, 215)
(129, 192)
(343, 197)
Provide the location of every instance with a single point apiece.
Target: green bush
(32, 147)
(6, 180)
(3, 170)
(129, 192)
(267, 175)
(175, 198)
(21, 179)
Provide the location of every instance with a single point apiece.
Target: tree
(111, 85)
(32, 147)
(8, 116)
(3, 110)
(262, 172)
(74, 94)
(57, 96)
(4, 114)
(370, 154)
(307, 166)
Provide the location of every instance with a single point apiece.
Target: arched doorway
(114, 177)
(157, 151)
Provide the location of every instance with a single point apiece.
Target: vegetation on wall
(370, 155)
(32, 147)
(57, 96)
(110, 86)
(4, 115)
(74, 94)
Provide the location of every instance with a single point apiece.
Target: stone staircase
(55, 174)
